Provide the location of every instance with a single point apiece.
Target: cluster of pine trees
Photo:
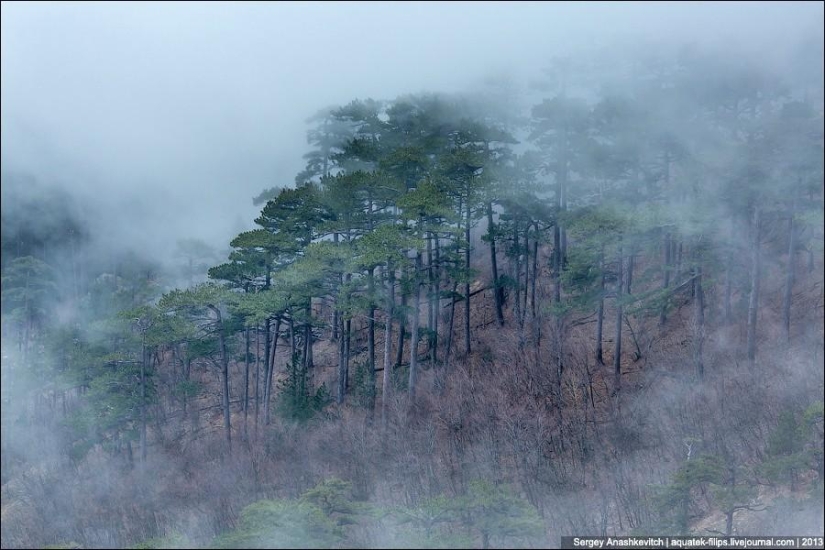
(437, 248)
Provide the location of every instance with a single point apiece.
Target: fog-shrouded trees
(665, 227)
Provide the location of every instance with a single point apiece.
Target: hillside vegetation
(464, 325)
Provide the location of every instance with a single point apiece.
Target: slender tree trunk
(224, 375)
(270, 370)
(371, 341)
(342, 386)
(789, 279)
(559, 357)
(402, 328)
(728, 287)
(143, 401)
(450, 327)
(246, 383)
(556, 264)
(562, 199)
(436, 301)
(267, 365)
(257, 374)
(665, 278)
(429, 294)
(308, 362)
(600, 311)
(526, 272)
(293, 344)
(517, 273)
(467, 283)
(414, 328)
(535, 275)
(432, 307)
(753, 301)
(617, 356)
(335, 312)
(347, 335)
(731, 509)
(699, 323)
(386, 386)
(491, 232)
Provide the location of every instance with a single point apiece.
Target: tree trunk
(386, 386)
(257, 374)
(414, 328)
(450, 327)
(600, 311)
(562, 199)
(556, 264)
(342, 386)
(308, 362)
(699, 324)
(143, 401)
(246, 382)
(436, 300)
(494, 264)
(517, 273)
(789, 279)
(293, 344)
(728, 288)
(269, 371)
(753, 301)
(346, 335)
(559, 357)
(267, 366)
(665, 278)
(224, 375)
(526, 273)
(535, 275)
(432, 304)
(371, 341)
(335, 312)
(467, 283)
(402, 326)
(617, 355)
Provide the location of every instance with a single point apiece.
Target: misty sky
(194, 108)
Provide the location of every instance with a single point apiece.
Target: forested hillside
(463, 324)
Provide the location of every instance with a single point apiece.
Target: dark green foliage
(362, 389)
(794, 446)
(498, 514)
(281, 524)
(673, 502)
(297, 399)
(492, 513)
(334, 497)
(28, 285)
(318, 519)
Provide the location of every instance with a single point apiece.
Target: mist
(203, 107)
(647, 167)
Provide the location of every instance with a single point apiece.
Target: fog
(172, 116)
(131, 128)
